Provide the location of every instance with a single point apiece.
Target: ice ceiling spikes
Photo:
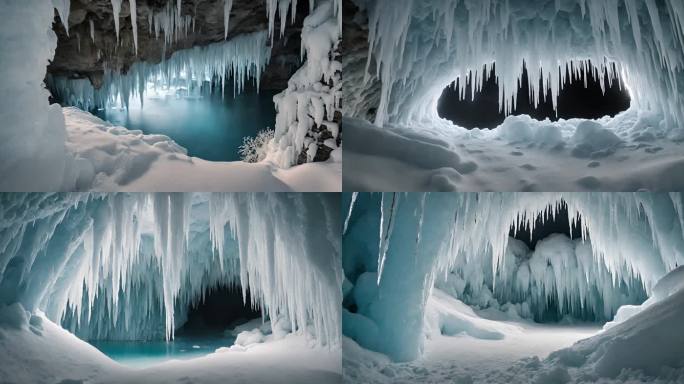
(129, 265)
(417, 47)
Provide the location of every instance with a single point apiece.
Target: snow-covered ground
(111, 158)
(461, 346)
(627, 153)
(39, 351)
(645, 348)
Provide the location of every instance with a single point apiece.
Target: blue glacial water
(209, 127)
(140, 354)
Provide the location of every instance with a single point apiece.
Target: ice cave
(400, 56)
(170, 287)
(173, 95)
(573, 287)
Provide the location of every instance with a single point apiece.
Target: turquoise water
(209, 127)
(142, 354)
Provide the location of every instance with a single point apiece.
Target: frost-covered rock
(308, 111)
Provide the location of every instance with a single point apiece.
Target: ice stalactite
(171, 22)
(92, 30)
(134, 23)
(241, 58)
(628, 241)
(641, 38)
(128, 266)
(312, 97)
(227, 7)
(116, 10)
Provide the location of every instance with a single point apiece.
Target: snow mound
(647, 343)
(444, 315)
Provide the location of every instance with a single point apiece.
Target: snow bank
(409, 240)
(58, 356)
(128, 265)
(629, 152)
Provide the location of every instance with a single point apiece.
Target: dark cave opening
(574, 101)
(221, 308)
(559, 223)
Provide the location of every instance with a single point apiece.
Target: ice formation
(628, 242)
(127, 266)
(116, 9)
(227, 6)
(420, 46)
(32, 151)
(313, 93)
(241, 58)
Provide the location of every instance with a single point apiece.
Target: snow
(628, 242)
(626, 153)
(112, 158)
(55, 355)
(128, 266)
(313, 94)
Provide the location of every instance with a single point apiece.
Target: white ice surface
(111, 158)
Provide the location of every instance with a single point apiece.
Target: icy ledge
(112, 158)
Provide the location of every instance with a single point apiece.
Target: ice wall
(129, 265)
(635, 239)
(309, 105)
(242, 58)
(417, 47)
(32, 152)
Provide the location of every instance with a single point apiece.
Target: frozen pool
(208, 126)
(141, 354)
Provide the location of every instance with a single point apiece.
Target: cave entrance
(574, 99)
(211, 322)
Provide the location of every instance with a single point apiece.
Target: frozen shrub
(254, 149)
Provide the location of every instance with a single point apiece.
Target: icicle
(116, 9)
(92, 30)
(227, 6)
(134, 23)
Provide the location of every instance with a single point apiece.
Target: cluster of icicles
(129, 265)
(643, 39)
(241, 58)
(635, 236)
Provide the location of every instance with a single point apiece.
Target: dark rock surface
(246, 16)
